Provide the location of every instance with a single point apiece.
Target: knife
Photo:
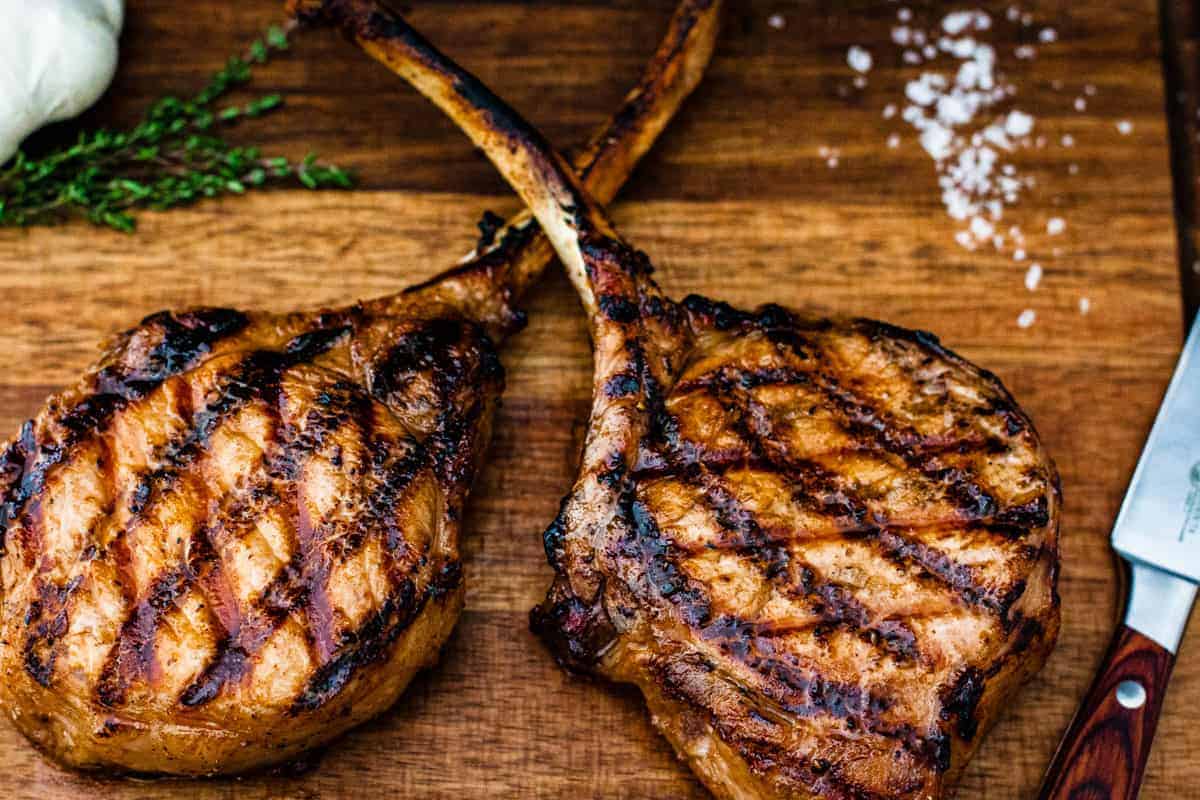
(1103, 754)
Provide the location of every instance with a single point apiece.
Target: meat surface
(237, 537)
(826, 550)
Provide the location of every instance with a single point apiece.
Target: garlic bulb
(56, 58)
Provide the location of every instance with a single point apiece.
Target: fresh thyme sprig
(174, 156)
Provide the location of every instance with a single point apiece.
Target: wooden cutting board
(739, 201)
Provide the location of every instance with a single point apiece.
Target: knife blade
(1157, 531)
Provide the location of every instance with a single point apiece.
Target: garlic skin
(56, 58)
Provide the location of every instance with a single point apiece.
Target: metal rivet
(1131, 694)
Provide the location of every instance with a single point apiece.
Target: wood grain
(736, 202)
(1105, 750)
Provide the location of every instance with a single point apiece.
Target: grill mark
(257, 376)
(288, 592)
(373, 639)
(813, 696)
(315, 567)
(291, 449)
(859, 419)
(845, 504)
(133, 651)
(837, 606)
(185, 339)
(645, 544)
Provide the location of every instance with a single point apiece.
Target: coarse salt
(1055, 226)
(1124, 127)
(1018, 124)
(1026, 318)
(1033, 276)
(1085, 305)
(859, 59)
(777, 22)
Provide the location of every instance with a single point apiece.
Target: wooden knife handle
(1103, 754)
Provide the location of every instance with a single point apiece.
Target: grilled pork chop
(237, 537)
(826, 550)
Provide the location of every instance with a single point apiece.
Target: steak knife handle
(1103, 754)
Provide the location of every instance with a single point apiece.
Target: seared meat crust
(239, 528)
(825, 550)
(237, 537)
(831, 561)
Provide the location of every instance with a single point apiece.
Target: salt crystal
(1025, 51)
(1027, 19)
(1056, 85)
(901, 35)
(859, 59)
(1124, 127)
(832, 162)
(1055, 226)
(1048, 35)
(956, 22)
(963, 48)
(929, 51)
(1033, 276)
(951, 110)
(936, 140)
(889, 111)
(965, 240)
(1089, 90)
(1085, 305)
(920, 92)
(893, 141)
(860, 82)
(1018, 123)
(918, 37)
(1018, 254)
(981, 228)
(904, 15)
(777, 22)
(1080, 104)
(1073, 169)
(1068, 140)
(911, 57)
(1012, 14)
(1026, 318)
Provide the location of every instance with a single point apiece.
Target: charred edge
(764, 757)
(368, 644)
(645, 543)
(465, 367)
(185, 338)
(14, 466)
(621, 385)
(133, 653)
(575, 632)
(617, 308)
(48, 618)
(961, 699)
(493, 262)
(489, 225)
(555, 536)
(599, 249)
(808, 695)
